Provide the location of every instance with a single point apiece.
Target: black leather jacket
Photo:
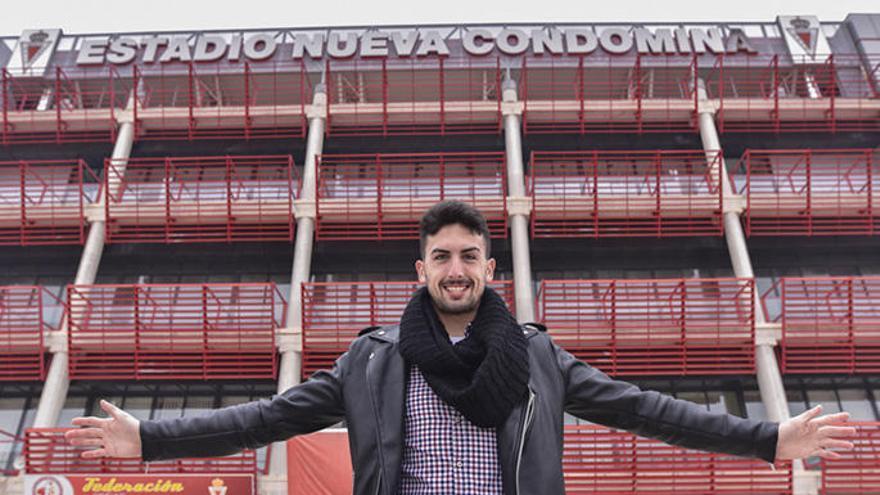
(367, 387)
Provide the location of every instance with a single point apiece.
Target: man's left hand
(809, 434)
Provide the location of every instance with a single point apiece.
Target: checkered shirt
(444, 453)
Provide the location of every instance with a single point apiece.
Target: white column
(769, 377)
(57, 379)
(518, 206)
(291, 343)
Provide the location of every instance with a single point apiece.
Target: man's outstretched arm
(592, 395)
(310, 406)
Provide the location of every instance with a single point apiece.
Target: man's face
(455, 269)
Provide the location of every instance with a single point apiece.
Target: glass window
(855, 402)
(695, 397)
(10, 414)
(796, 403)
(75, 406)
(233, 400)
(198, 405)
(168, 407)
(96, 410)
(754, 406)
(10, 417)
(261, 456)
(724, 402)
(827, 398)
(139, 406)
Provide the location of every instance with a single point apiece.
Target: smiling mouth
(456, 289)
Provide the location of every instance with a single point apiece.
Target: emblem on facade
(33, 47)
(804, 33)
(217, 487)
(47, 486)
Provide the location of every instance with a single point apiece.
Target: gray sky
(85, 16)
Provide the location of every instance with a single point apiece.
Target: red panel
(43, 202)
(173, 331)
(830, 324)
(601, 461)
(319, 463)
(858, 472)
(626, 193)
(22, 331)
(607, 94)
(810, 192)
(64, 106)
(334, 313)
(201, 199)
(651, 327)
(383, 196)
(413, 96)
(761, 93)
(47, 452)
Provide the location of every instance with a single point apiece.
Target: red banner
(319, 464)
(108, 484)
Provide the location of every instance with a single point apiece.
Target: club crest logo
(33, 52)
(218, 487)
(805, 38)
(32, 47)
(804, 33)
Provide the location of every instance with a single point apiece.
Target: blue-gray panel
(5, 51)
(865, 29)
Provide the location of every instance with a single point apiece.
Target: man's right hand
(116, 436)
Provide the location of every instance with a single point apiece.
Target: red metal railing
(829, 324)
(9, 443)
(43, 202)
(626, 193)
(609, 93)
(201, 199)
(47, 452)
(598, 460)
(66, 105)
(23, 330)
(810, 192)
(762, 93)
(249, 100)
(413, 96)
(383, 196)
(650, 327)
(173, 331)
(858, 472)
(334, 313)
(442, 95)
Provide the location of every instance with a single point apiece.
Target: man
(458, 398)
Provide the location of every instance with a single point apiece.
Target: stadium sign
(513, 41)
(139, 484)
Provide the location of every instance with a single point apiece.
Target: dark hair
(449, 213)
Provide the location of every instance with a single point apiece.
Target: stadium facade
(196, 219)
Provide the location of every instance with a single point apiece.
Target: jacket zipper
(378, 425)
(527, 422)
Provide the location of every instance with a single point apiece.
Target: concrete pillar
(57, 380)
(517, 204)
(291, 354)
(769, 377)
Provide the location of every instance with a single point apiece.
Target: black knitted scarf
(483, 376)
